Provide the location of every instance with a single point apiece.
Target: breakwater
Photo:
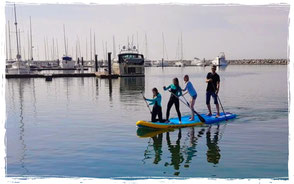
(259, 62)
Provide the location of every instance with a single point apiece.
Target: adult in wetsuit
(176, 92)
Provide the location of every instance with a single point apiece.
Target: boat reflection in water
(179, 154)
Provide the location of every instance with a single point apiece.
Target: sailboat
(17, 67)
(66, 62)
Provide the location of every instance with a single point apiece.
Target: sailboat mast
(53, 49)
(19, 42)
(31, 38)
(181, 47)
(18, 56)
(6, 42)
(10, 56)
(28, 46)
(90, 45)
(45, 50)
(57, 52)
(137, 42)
(162, 46)
(94, 44)
(65, 49)
(146, 47)
(86, 48)
(113, 47)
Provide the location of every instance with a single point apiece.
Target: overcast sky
(239, 31)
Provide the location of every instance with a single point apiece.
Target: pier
(57, 75)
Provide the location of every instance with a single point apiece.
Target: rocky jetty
(259, 62)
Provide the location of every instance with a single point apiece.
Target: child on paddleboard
(156, 102)
(191, 90)
(176, 92)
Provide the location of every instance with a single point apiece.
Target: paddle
(188, 105)
(146, 103)
(219, 101)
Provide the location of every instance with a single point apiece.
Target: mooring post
(82, 64)
(109, 63)
(96, 63)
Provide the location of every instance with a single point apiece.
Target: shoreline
(259, 62)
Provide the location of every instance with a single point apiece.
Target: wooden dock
(105, 75)
(57, 75)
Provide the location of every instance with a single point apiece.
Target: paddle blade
(200, 118)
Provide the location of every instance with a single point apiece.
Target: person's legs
(177, 105)
(160, 114)
(217, 109)
(216, 104)
(208, 94)
(192, 102)
(154, 113)
(169, 105)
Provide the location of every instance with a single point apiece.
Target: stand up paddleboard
(174, 122)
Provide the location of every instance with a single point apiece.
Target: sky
(241, 32)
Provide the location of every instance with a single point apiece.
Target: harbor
(146, 92)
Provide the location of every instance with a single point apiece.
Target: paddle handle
(147, 103)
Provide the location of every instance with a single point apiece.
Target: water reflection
(22, 127)
(132, 84)
(130, 89)
(191, 150)
(176, 154)
(221, 68)
(179, 154)
(213, 151)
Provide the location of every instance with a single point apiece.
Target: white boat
(220, 60)
(198, 62)
(179, 64)
(18, 67)
(67, 63)
(147, 63)
(129, 63)
(160, 63)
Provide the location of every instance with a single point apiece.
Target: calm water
(86, 127)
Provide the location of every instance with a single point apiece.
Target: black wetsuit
(156, 111)
(175, 90)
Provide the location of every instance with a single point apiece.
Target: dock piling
(96, 63)
(109, 63)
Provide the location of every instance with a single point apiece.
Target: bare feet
(216, 116)
(208, 114)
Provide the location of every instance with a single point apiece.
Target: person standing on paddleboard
(213, 84)
(191, 90)
(156, 102)
(176, 92)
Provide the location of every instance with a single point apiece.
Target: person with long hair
(191, 90)
(156, 102)
(176, 92)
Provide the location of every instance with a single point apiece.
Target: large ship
(220, 60)
(129, 63)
